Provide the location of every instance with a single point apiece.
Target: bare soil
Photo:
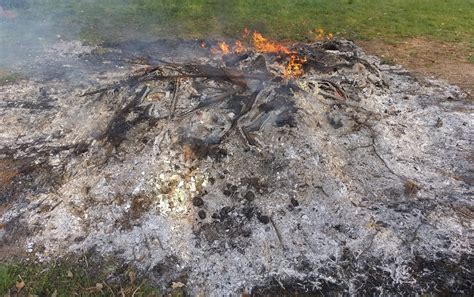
(423, 56)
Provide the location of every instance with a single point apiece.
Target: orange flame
(222, 48)
(294, 68)
(319, 34)
(263, 45)
(239, 48)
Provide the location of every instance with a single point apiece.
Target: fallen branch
(192, 71)
(174, 99)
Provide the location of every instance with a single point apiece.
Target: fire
(319, 34)
(224, 47)
(263, 45)
(239, 48)
(294, 68)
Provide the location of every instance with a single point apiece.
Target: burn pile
(233, 168)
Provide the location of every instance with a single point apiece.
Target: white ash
(379, 179)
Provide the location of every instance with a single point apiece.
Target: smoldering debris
(230, 177)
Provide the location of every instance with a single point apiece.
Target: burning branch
(294, 67)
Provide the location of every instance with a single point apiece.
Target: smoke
(28, 28)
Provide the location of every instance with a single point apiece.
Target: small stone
(202, 214)
(294, 202)
(250, 196)
(198, 202)
(227, 192)
(224, 213)
(264, 219)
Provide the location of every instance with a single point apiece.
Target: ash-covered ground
(354, 178)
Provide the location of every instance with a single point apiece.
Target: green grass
(7, 77)
(471, 59)
(72, 278)
(447, 20)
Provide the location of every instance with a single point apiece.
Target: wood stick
(234, 76)
(174, 99)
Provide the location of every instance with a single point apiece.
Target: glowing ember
(239, 48)
(295, 66)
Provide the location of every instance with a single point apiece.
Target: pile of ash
(223, 174)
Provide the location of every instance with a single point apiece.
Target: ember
(222, 48)
(239, 48)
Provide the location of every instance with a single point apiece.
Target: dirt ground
(428, 57)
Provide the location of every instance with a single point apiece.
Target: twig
(111, 291)
(136, 290)
(383, 160)
(209, 102)
(326, 94)
(234, 76)
(121, 291)
(277, 232)
(174, 99)
(121, 114)
(372, 237)
(335, 88)
(322, 190)
(56, 205)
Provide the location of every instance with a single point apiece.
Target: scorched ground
(227, 174)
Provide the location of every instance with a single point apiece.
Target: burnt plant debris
(217, 173)
(435, 276)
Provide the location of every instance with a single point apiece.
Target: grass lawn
(390, 20)
(75, 277)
